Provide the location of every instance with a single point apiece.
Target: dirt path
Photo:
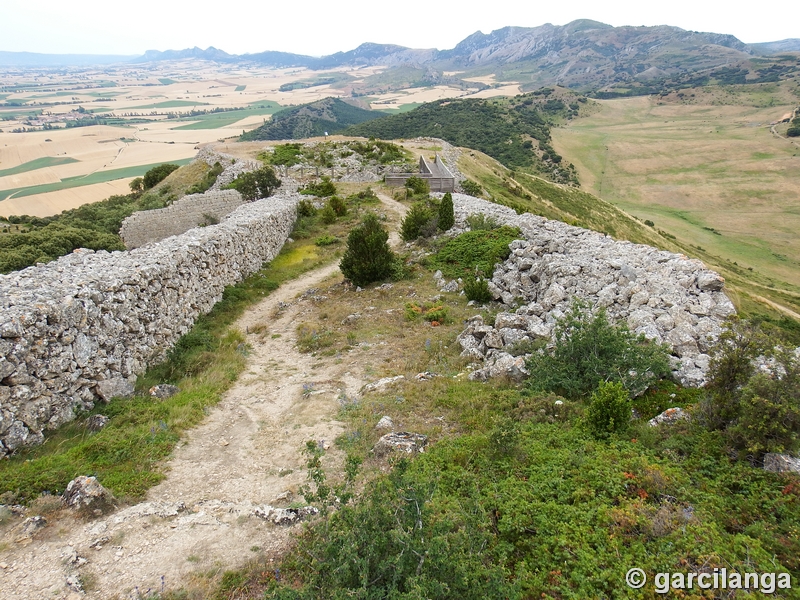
(203, 516)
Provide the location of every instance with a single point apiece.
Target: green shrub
(757, 412)
(589, 349)
(475, 252)
(477, 289)
(609, 409)
(417, 217)
(793, 131)
(446, 215)
(261, 183)
(326, 240)
(321, 189)
(368, 257)
(471, 188)
(480, 222)
(306, 208)
(328, 215)
(338, 206)
(417, 185)
(157, 174)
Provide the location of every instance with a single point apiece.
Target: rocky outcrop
(667, 297)
(81, 328)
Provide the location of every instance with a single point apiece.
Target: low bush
(758, 412)
(321, 189)
(306, 208)
(368, 257)
(471, 188)
(157, 174)
(475, 252)
(338, 206)
(252, 185)
(417, 218)
(609, 409)
(589, 349)
(477, 289)
(480, 222)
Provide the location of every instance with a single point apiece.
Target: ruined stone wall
(194, 210)
(665, 296)
(82, 327)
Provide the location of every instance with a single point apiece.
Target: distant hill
(209, 53)
(584, 55)
(329, 115)
(514, 131)
(790, 45)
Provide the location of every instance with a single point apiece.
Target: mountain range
(583, 54)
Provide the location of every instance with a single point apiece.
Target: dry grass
(711, 173)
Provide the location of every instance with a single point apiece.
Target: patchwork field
(128, 116)
(705, 168)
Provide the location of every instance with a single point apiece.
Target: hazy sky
(318, 27)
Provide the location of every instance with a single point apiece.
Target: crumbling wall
(81, 328)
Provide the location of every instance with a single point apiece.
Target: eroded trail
(204, 516)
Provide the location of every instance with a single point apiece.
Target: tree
(137, 185)
(417, 185)
(158, 174)
(417, 217)
(368, 257)
(446, 215)
(256, 184)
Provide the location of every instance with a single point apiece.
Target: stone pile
(667, 297)
(81, 328)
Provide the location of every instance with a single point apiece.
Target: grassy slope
(712, 175)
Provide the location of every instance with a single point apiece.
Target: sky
(320, 27)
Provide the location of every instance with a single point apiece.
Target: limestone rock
(385, 423)
(163, 391)
(96, 422)
(669, 417)
(284, 516)
(781, 463)
(33, 524)
(402, 441)
(86, 495)
(382, 384)
(114, 388)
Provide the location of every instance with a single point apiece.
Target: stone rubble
(667, 297)
(401, 441)
(81, 328)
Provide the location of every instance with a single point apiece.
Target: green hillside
(514, 131)
(329, 115)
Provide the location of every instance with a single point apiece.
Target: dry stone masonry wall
(665, 296)
(81, 328)
(194, 210)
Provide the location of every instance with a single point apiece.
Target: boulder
(87, 496)
(117, 387)
(669, 417)
(96, 422)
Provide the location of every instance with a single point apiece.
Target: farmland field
(705, 168)
(66, 132)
